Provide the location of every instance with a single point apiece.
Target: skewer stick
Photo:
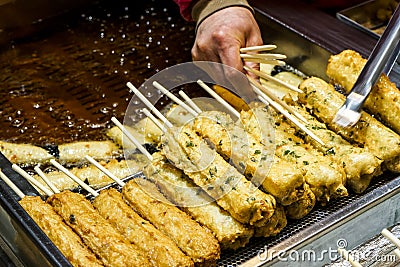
(46, 180)
(270, 95)
(265, 61)
(148, 104)
(278, 107)
(11, 184)
(389, 235)
(130, 137)
(346, 255)
(218, 98)
(73, 177)
(174, 98)
(153, 119)
(264, 56)
(32, 180)
(273, 79)
(189, 101)
(104, 170)
(397, 252)
(257, 48)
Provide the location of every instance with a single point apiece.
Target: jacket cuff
(204, 8)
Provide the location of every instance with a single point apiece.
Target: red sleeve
(185, 7)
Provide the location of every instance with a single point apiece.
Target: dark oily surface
(65, 83)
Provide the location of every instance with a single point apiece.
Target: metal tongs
(380, 61)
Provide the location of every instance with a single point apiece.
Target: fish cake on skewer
(279, 178)
(359, 164)
(325, 178)
(344, 69)
(223, 182)
(194, 240)
(324, 101)
(180, 190)
(59, 233)
(160, 249)
(100, 236)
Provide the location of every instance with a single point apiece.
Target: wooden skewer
(218, 98)
(104, 170)
(174, 98)
(264, 56)
(148, 104)
(397, 252)
(279, 108)
(189, 101)
(265, 61)
(257, 48)
(177, 100)
(153, 119)
(263, 91)
(32, 180)
(346, 255)
(46, 180)
(273, 79)
(389, 235)
(11, 184)
(130, 137)
(73, 177)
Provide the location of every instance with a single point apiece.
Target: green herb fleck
(251, 199)
(189, 144)
(331, 151)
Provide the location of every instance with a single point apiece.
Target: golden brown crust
(344, 69)
(161, 250)
(324, 102)
(303, 206)
(324, 177)
(180, 190)
(196, 241)
(100, 236)
(359, 164)
(223, 182)
(66, 240)
(279, 178)
(274, 225)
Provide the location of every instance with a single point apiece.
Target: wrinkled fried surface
(66, 240)
(161, 250)
(100, 236)
(196, 241)
(179, 189)
(384, 98)
(324, 102)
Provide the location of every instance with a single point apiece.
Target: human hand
(221, 35)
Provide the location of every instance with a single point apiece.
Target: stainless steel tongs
(380, 61)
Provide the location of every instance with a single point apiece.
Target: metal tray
(377, 251)
(28, 245)
(364, 16)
